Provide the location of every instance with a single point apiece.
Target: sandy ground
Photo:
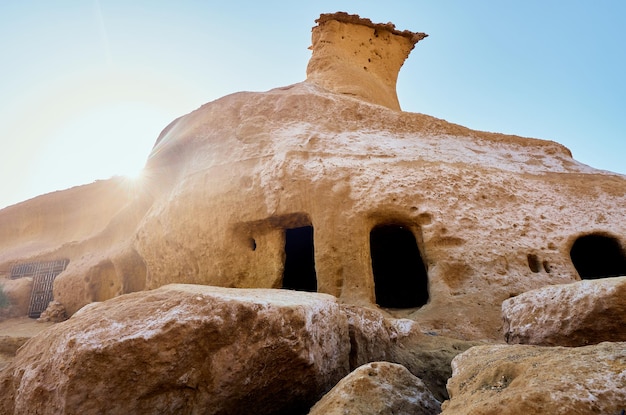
(14, 332)
(21, 327)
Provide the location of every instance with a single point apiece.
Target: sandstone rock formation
(376, 338)
(356, 57)
(577, 314)
(528, 380)
(90, 225)
(14, 333)
(378, 388)
(419, 230)
(8, 347)
(371, 335)
(184, 349)
(220, 335)
(429, 358)
(54, 313)
(305, 186)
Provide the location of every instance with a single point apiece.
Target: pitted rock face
(481, 217)
(356, 57)
(533, 380)
(184, 349)
(378, 388)
(577, 314)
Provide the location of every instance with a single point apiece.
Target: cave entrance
(598, 256)
(299, 273)
(400, 277)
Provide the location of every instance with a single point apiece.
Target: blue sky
(86, 86)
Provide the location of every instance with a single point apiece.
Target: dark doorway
(598, 256)
(400, 277)
(299, 273)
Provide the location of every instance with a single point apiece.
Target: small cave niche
(533, 263)
(598, 256)
(400, 277)
(299, 272)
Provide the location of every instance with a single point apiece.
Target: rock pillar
(354, 56)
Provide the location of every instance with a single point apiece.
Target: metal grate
(43, 274)
(31, 269)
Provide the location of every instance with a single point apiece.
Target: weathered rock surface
(528, 380)
(366, 334)
(92, 226)
(378, 388)
(492, 215)
(14, 332)
(577, 314)
(8, 347)
(356, 57)
(55, 313)
(184, 349)
(374, 337)
(429, 357)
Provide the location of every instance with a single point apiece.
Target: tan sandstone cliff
(331, 169)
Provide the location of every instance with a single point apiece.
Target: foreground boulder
(184, 349)
(378, 388)
(578, 314)
(429, 358)
(373, 337)
(527, 380)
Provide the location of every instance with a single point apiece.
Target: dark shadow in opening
(299, 273)
(400, 277)
(598, 256)
(533, 263)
